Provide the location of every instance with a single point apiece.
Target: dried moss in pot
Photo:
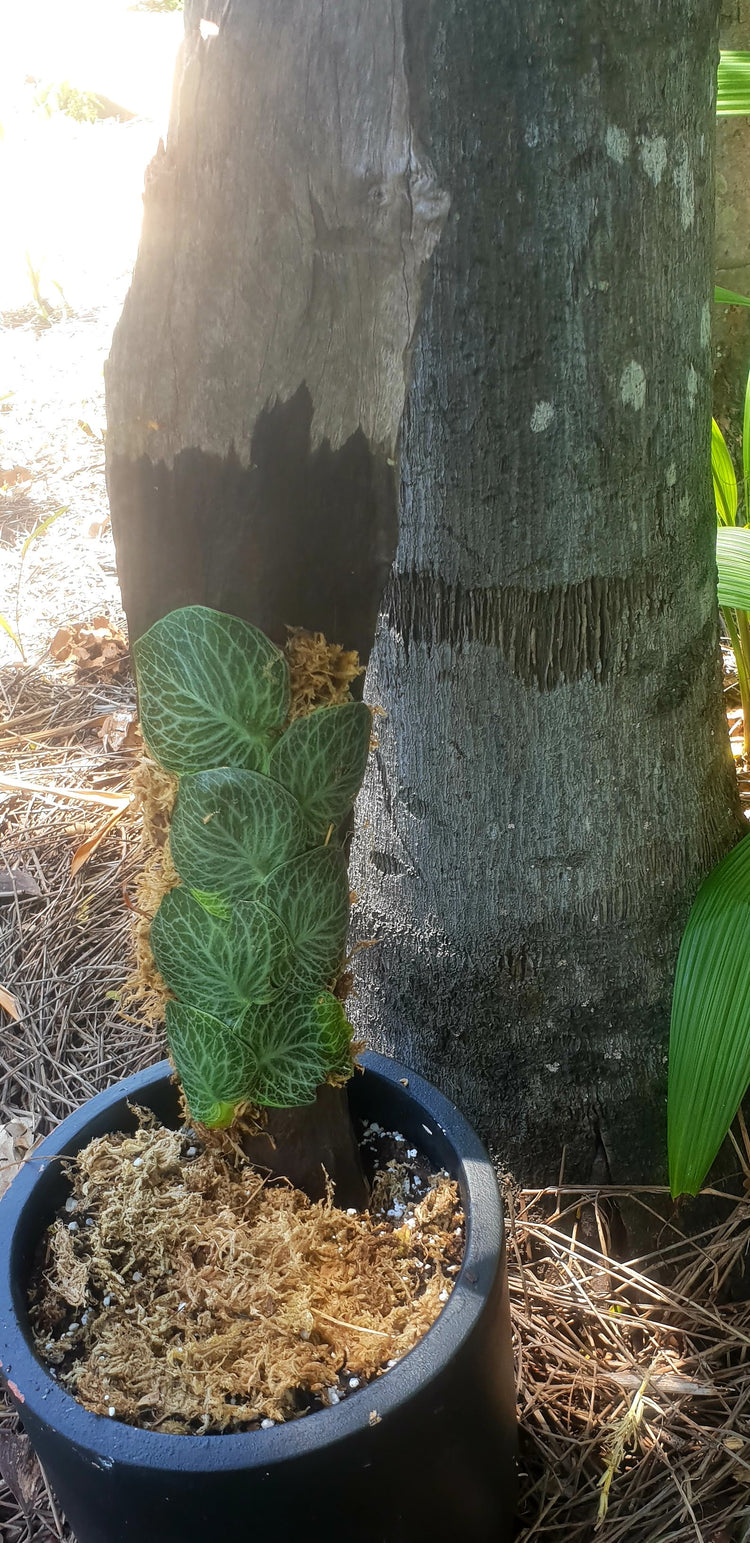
(181, 1292)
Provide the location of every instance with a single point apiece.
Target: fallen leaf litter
(182, 1292)
(96, 645)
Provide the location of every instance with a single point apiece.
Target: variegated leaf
(310, 895)
(321, 759)
(219, 965)
(215, 1064)
(213, 691)
(296, 1042)
(231, 828)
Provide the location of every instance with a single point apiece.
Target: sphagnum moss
(193, 1296)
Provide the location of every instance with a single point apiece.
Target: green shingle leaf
(321, 759)
(296, 1043)
(231, 828)
(213, 691)
(215, 964)
(215, 1064)
(310, 895)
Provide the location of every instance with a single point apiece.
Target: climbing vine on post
(252, 940)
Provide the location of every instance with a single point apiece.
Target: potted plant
(251, 944)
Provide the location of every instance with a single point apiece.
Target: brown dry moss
(155, 793)
(321, 673)
(204, 1299)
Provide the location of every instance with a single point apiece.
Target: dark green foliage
(213, 691)
(231, 828)
(322, 760)
(214, 1061)
(220, 965)
(310, 896)
(709, 1049)
(254, 936)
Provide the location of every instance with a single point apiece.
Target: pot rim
(35, 1391)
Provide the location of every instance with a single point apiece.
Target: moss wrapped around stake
(252, 940)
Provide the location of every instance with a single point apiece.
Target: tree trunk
(553, 777)
(258, 373)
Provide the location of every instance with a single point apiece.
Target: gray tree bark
(553, 777)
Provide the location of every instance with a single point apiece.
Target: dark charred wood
(314, 1147)
(299, 537)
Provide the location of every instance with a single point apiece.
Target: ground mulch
(66, 949)
(631, 1376)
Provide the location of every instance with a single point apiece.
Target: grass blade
(6, 626)
(41, 528)
(37, 531)
(746, 452)
(729, 297)
(709, 1050)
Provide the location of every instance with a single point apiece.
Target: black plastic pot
(425, 1453)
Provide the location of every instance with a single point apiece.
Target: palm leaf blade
(733, 84)
(729, 297)
(709, 1052)
(733, 564)
(746, 451)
